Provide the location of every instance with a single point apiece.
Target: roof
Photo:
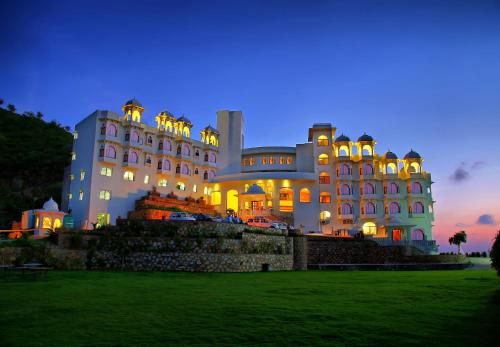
(50, 205)
(412, 155)
(133, 101)
(254, 189)
(210, 128)
(365, 137)
(268, 149)
(183, 119)
(342, 138)
(390, 155)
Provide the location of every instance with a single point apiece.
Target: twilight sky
(413, 74)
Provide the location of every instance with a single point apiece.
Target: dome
(167, 113)
(342, 138)
(390, 155)
(183, 119)
(254, 189)
(134, 102)
(209, 128)
(50, 205)
(365, 137)
(412, 155)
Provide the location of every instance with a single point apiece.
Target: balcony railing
(427, 246)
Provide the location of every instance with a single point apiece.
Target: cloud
(462, 225)
(463, 172)
(486, 219)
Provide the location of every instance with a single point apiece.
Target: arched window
(134, 158)
(324, 178)
(160, 145)
(368, 169)
(215, 198)
(370, 208)
(418, 208)
(417, 234)
(369, 188)
(185, 150)
(343, 151)
(323, 159)
(305, 195)
(345, 170)
(186, 132)
(177, 169)
(324, 217)
(111, 152)
(47, 223)
(205, 158)
(205, 175)
(346, 208)
(111, 130)
(325, 198)
(367, 150)
(392, 188)
(212, 158)
(135, 136)
(322, 141)
(414, 167)
(391, 168)
(196, 172)
(166, 164)
(147, 159)
(167, 145)
(179, 150)
(125, 157)
(286, 200)
(185, 169)
(57, 223)
(394, 208)
(160, 164)
(369, 228)
(181, 186)
(150, 140)
(416, 188)
(345, 189)
(211, 174)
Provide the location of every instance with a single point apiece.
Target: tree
(11, 108)
(495, 253)
(39, 115)
(1, 101)
(458, 239)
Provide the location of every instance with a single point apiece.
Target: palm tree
(458, 239)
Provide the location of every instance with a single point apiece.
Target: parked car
(259, 222)
(181, 216)
(202, 217)
(217, 219)
(279, 225)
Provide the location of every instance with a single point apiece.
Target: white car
(181, 216)
(279, 225)
(259, 222)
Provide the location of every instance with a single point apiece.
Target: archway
(286, 200)
(232, 200)
(369, 228)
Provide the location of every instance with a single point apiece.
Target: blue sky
(413, 74)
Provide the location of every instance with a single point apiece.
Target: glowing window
(305, 195)
(215, 198)
(162, 182)
(70, 196)
(286, 200)
(325, 198)
(324, 217)
(57, 223)
(391, 168)
(82, 175)
(181, 186)
(71, 177)
(47, 223)
(105, 195)
(146, 179)
(369, 228)
(343, 151)
(73, 156)
(251, 161)
(271, 160)
(289, 160)
(75, 134)
(367, 150)
(322, 140)
(324, 178)
(195, 188)
(106, 171)
(414, 167)
(282, 160)
(264, 160)
(80, 195)
(128, 176)
(323, 159)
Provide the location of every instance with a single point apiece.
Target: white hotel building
(330, 184)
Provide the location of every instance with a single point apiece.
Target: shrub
(495, 253)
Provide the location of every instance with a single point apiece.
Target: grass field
(442, 308)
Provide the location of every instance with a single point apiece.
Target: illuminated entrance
(232, 200)
(397, 234)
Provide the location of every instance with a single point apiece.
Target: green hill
(33, 155)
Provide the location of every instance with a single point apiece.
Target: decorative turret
(133, 110)
(165, 121)
(182, 126)
(412, 162)
(210, 135)
(389, 163)
(343, 146)
(366, 145)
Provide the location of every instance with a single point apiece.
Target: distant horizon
(413, 74)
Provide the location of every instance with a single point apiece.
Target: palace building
(330, 185)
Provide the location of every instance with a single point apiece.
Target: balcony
(163, 171)
(345, 216)
(368, 215)
(345, 177)
(107, 160)
(130, 165)
(349, 197)
(369, 196)
(107, 137)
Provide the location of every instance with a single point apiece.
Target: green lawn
(442, 308)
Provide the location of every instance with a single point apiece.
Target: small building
(41, 220)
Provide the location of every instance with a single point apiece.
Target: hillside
(33, 155)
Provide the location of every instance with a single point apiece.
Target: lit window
(73, 156)
(251, 161)
(163, 182)
(80, 196)
(57, 223)
(271, 160)
(304, 195)
(324, 178)
(82, 175)
(325, 198)
(105, 195)
(264, 160)
(102, 219)
(369, 228)
(70, 196)
(215, 198)
(106, 171)
(323, 159)
(71, 177)
(324, 217)
(195, 188)
(322, 141)
(282, 160)
(289, 160)
(47, 223)
(128, 176)
(75, 134)
(146, 179)
(181, 186)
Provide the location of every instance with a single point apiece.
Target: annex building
(330, 184)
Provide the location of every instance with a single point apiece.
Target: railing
(427, 246)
